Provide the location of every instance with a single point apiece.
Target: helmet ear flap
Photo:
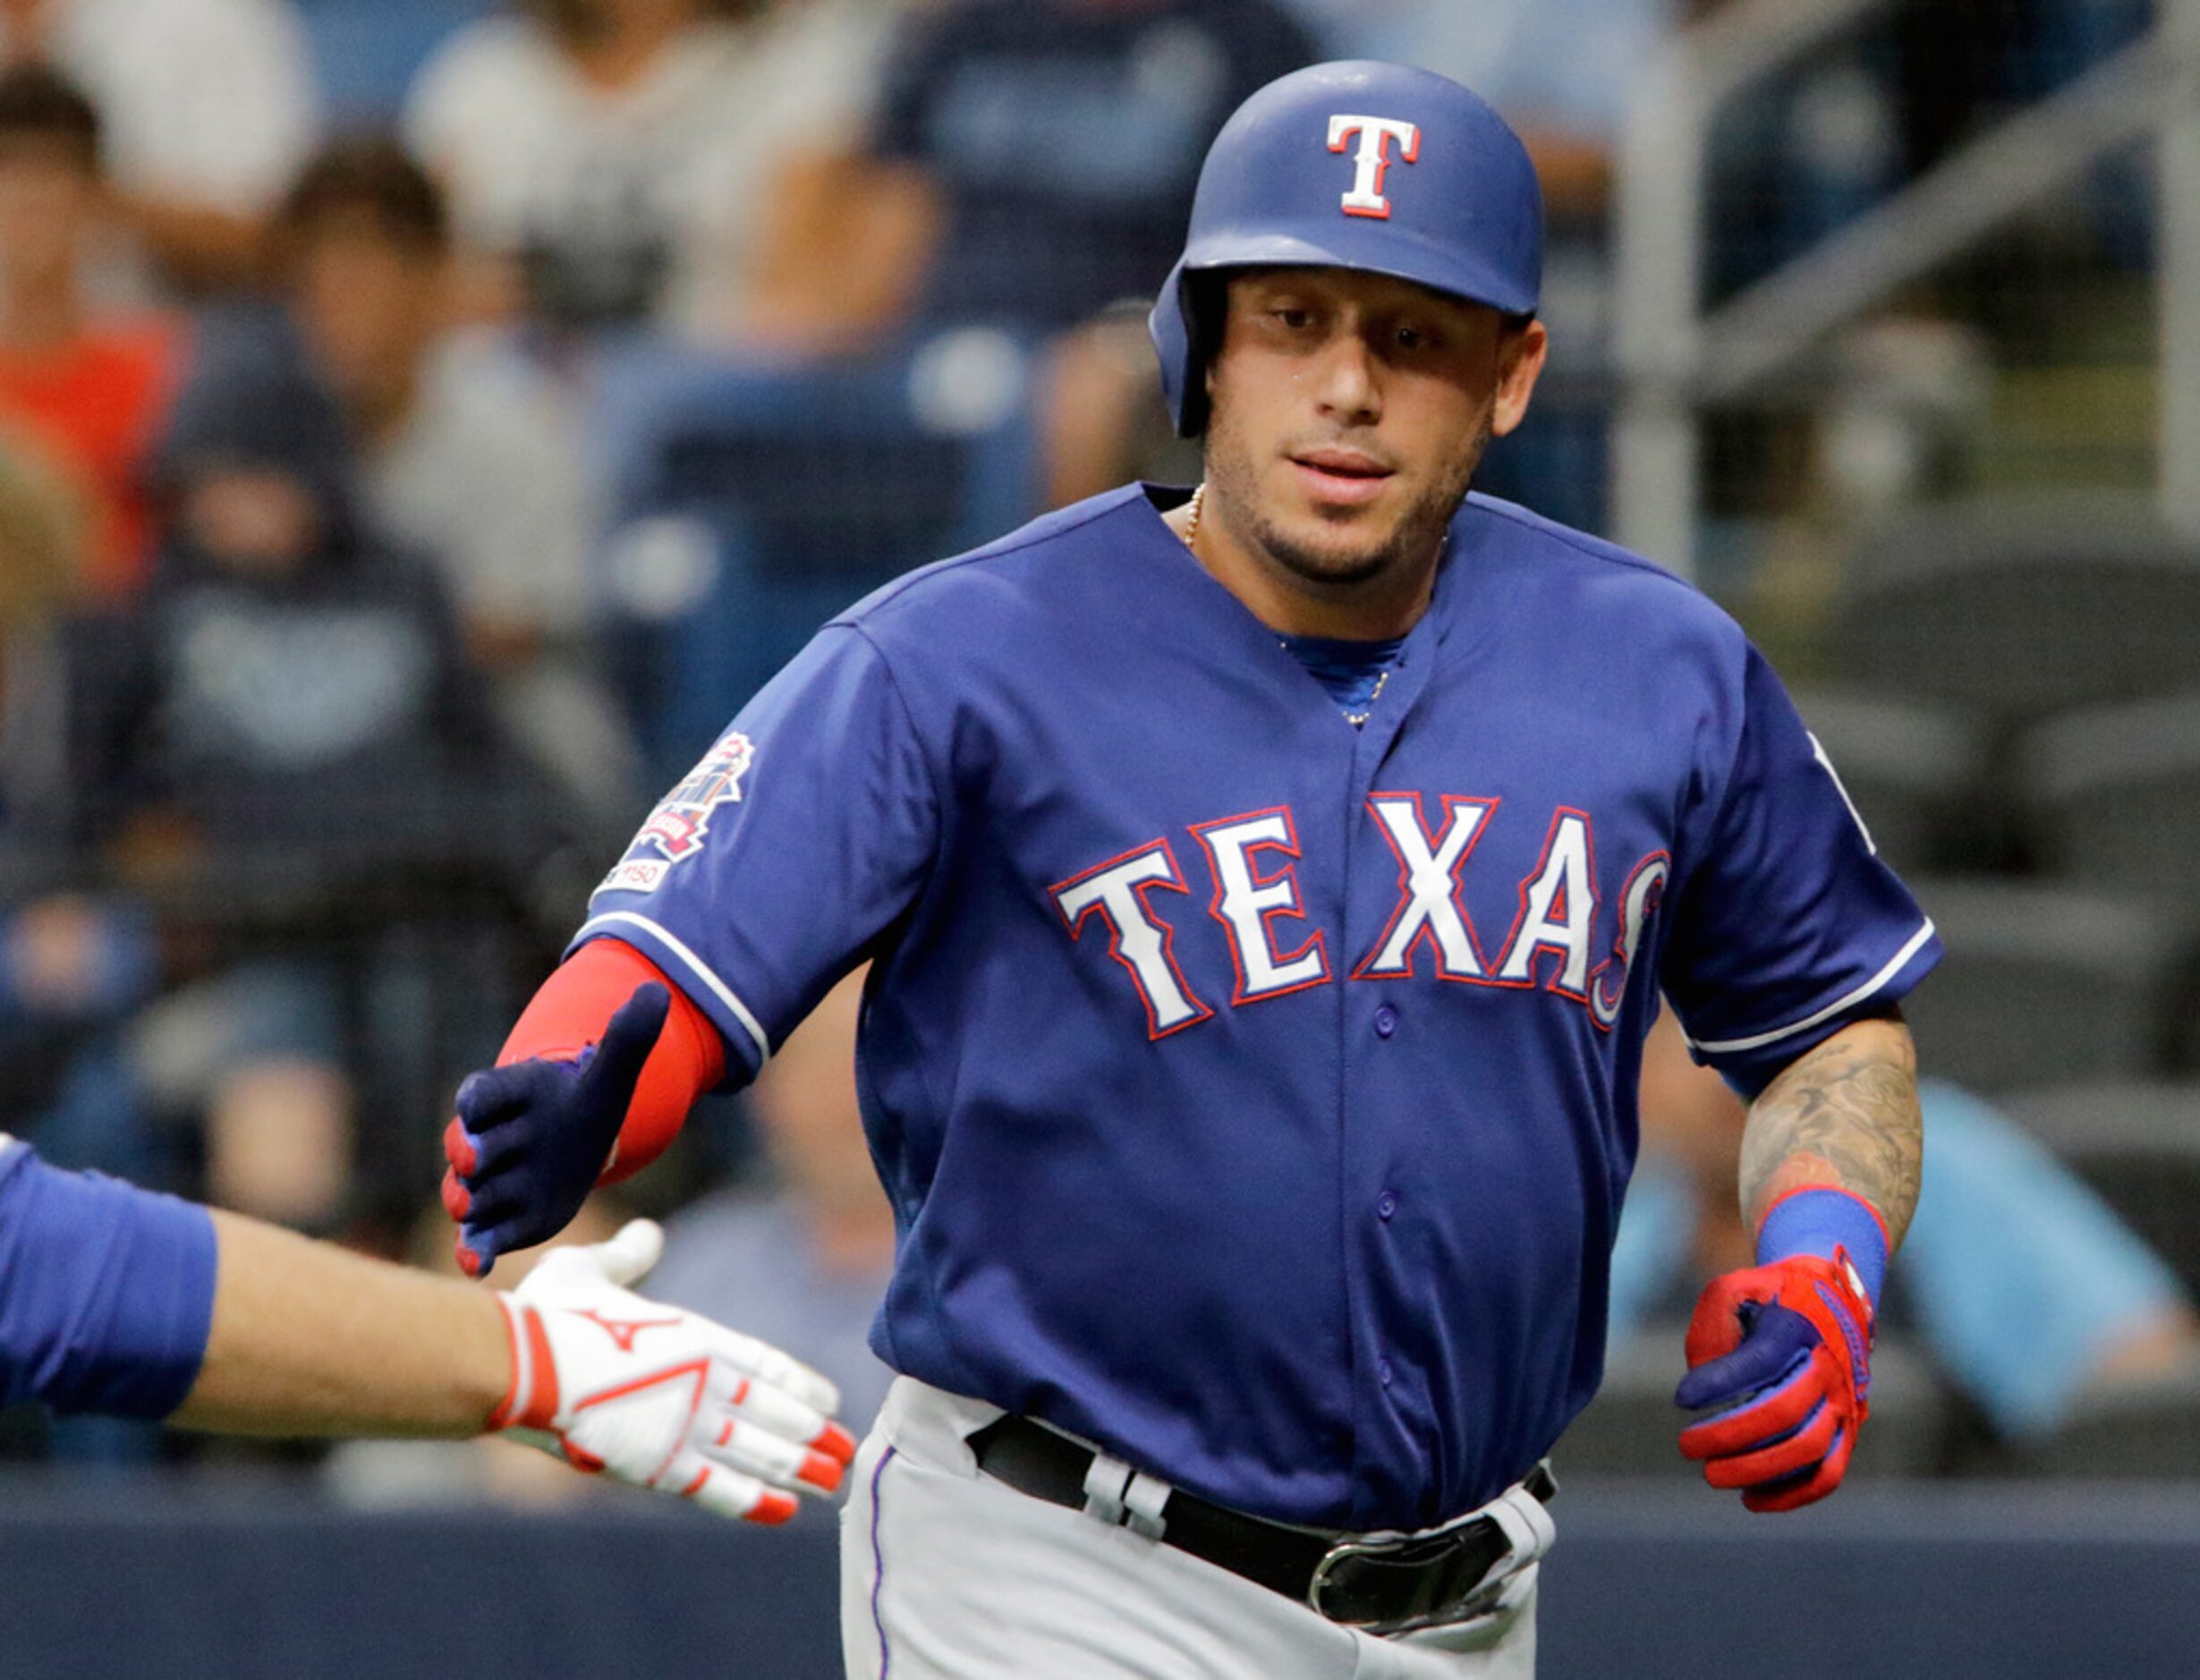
(1186, 329)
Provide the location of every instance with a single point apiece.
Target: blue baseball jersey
(107, 1291)
(1256, 1093)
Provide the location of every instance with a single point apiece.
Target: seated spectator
(807, 1259)
(605, 158)
(2027, 1288)
(1033, 160)
(468, 452)
(1031, 165)
(87, 388)
(285, 719)
(72, 963)
(208, 103)
(43, 528)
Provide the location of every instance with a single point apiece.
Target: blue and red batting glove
(1780, 1356)
(531, 1138)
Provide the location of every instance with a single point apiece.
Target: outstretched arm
(310, 1339)
(115, 1300)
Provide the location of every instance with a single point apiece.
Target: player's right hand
(529, 1139)
(660, 1397)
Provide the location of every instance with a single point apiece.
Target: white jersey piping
(1730, 1047)
(695, 965)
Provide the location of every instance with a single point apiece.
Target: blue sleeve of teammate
(1786, 924)
(804, 833)
(107, 1291)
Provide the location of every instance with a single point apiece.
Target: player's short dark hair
(369, 177)
(39, 103)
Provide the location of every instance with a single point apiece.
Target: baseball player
(115, 1300)
(1268, 888)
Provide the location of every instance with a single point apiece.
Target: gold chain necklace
(1191, 541)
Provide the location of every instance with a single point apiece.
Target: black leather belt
(1378, 1584)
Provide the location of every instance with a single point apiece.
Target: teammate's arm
(308, 1339)
(115, 1300)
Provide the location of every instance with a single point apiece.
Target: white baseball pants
(946, 1574)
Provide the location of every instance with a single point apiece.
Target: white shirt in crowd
(490, 480)
(489, 477)
(211, 102)
(643, 202)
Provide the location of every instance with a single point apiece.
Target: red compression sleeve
(570, 1012)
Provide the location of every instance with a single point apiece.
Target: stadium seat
(2138, 1145)
(1632, 1427)
(2022, 607)
(2143, 1431)
(754, 502)
(2112, 794)
(1918, 773)
(2041, 985)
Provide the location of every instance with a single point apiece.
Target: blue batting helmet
(1360, 166)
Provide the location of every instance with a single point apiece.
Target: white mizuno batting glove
(660, 1397)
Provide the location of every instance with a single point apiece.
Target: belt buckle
(1342, 1551)
(1347, 1547)
(1436, 1541)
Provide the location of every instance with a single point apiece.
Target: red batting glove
(1783, 1353)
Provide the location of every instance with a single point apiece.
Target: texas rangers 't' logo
(1373, 161)
(677, 826)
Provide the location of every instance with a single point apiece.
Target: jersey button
(1386, 1022)
(1386, 1205)
(1383, 1374)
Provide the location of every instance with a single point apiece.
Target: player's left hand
(660, 1397)
(1782, 1355)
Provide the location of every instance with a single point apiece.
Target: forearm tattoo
(1846, 1114)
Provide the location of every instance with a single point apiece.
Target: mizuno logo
(624, 1330)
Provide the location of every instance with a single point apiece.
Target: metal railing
(1676, 359)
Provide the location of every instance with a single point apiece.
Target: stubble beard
(1233, 492)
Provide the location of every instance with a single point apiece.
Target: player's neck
(1373, 609)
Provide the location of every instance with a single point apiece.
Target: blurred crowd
(422, 423)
